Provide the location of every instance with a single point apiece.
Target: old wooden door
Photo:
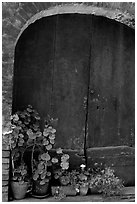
(111, 87)
(80, 70)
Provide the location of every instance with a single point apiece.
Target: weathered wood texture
(120, 158)
(112, 78)
(53, 60)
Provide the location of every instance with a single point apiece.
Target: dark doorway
(79, 69)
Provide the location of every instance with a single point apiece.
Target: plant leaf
(35, 176)
(45, 156)
(52, 141)
(48, 147)
(45, 142)
(40, 166)
(52, 136)
(42, 182)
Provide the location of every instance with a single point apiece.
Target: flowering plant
(24, 132)
(111, 185)
(83, 176)
(104, 180)
(40, 171)
(20, 174)
(60, 167)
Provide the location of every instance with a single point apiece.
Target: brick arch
(79, 9)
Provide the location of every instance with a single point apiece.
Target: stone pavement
(128, 195)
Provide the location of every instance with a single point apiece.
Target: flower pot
(19, 190)
(64, 180)
(40, 190)
(83, 190)
(94, 190)
(66, 190)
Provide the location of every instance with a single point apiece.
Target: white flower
(82, 166)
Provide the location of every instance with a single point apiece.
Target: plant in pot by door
(41, 175)
(95, 183)
(60, 168)
(111, 184)
(40, 142)
(25, 134)
(83, 178)
(19, 183)
(16, 140)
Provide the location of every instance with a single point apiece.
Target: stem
(32, 155)
(12, 164)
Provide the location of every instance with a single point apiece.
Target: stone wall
(16, 17)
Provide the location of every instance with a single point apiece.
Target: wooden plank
(33, 67)
(111, 94)
(121, 159)
(71, 79)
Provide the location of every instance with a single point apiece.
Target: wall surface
(17, 16)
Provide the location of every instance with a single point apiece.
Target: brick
(7, 55)
(4, 197)
(5, 166)
(5, 189)
(5, 183)
(39, 6)
(5, 146)
(5, 177)
(5, 171)
(24, 15)
(5, 161)
(5, 154)
(8, 28)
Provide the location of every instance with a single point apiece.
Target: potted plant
(66, 179)
(103, 180)
(83, 178)
(40, 143)
(41, 175)
(19, 183)
(95, 183)
(25, 134)
(111, 185)
(15, 138)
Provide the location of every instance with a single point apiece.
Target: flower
(15, 117)
(82, 166)
(64, 165)
(54, 160)
(59, 151)
(64, 157)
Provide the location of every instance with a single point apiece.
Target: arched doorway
(80, 69)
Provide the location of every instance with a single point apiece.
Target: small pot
(83, 190)
(40, 190)
(19, 190)
(63, 182)
(66, 190)
(94, 190)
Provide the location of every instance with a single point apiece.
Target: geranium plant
(60, 167)
(103, 179)
(111, 184)
(20, 174)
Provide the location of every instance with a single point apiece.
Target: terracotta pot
(94, 190)
(66, 190)
(19, 190)
(40, 190)
(63, 181)
(83, 190)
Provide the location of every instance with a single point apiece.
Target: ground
(128, 195)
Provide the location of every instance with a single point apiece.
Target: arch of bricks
(16, 18)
